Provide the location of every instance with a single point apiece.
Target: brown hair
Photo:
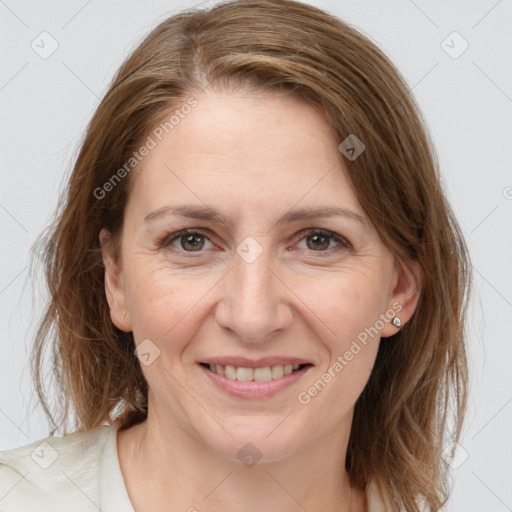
(400, 420)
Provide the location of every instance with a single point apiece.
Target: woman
(258, 288)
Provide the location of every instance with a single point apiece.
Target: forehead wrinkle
(290, 217)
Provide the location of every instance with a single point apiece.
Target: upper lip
(244, 362)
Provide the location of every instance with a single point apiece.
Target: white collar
(113, 493)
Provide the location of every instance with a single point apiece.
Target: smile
(263, 374)
(253, 380)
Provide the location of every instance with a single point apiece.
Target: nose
(255, 301)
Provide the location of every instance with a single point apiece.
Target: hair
(400, 422)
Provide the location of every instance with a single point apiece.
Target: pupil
(315, 239)
(189, 239)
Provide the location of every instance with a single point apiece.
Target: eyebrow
(205, 213)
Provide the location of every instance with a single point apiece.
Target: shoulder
(56, 473)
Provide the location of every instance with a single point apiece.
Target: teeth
(264, 374)
(230, 372)
(277, 371)
(244, 374)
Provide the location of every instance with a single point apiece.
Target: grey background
(467, 102)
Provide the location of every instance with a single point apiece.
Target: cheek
(344, 305)
(166, 305)
(351, 348)
(347, 311)
(157, 300)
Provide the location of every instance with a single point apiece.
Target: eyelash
(344, 243)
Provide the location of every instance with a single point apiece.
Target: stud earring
(397, 322)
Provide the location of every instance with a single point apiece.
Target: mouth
(243, 378)
(258, 374)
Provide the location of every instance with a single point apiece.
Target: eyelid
(176, 235)
(301, 235)
(324, 232)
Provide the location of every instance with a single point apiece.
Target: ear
(405, 293)
(114, 284)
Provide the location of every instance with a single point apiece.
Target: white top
(79, 471)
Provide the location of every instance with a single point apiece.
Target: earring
(397, 322)
(124, 314)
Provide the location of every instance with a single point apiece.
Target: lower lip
(252, 388)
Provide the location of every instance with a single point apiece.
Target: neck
(169, 469)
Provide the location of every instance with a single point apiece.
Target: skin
(252, 156)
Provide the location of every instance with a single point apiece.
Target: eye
(316, 240)
(320, 240)
(189, 240)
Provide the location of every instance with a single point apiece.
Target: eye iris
(319, 238)
(189, 239)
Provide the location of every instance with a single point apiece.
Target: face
(280, 271)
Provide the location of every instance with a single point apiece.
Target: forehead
(245, 149)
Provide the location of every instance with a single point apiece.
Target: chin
(254, 441)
